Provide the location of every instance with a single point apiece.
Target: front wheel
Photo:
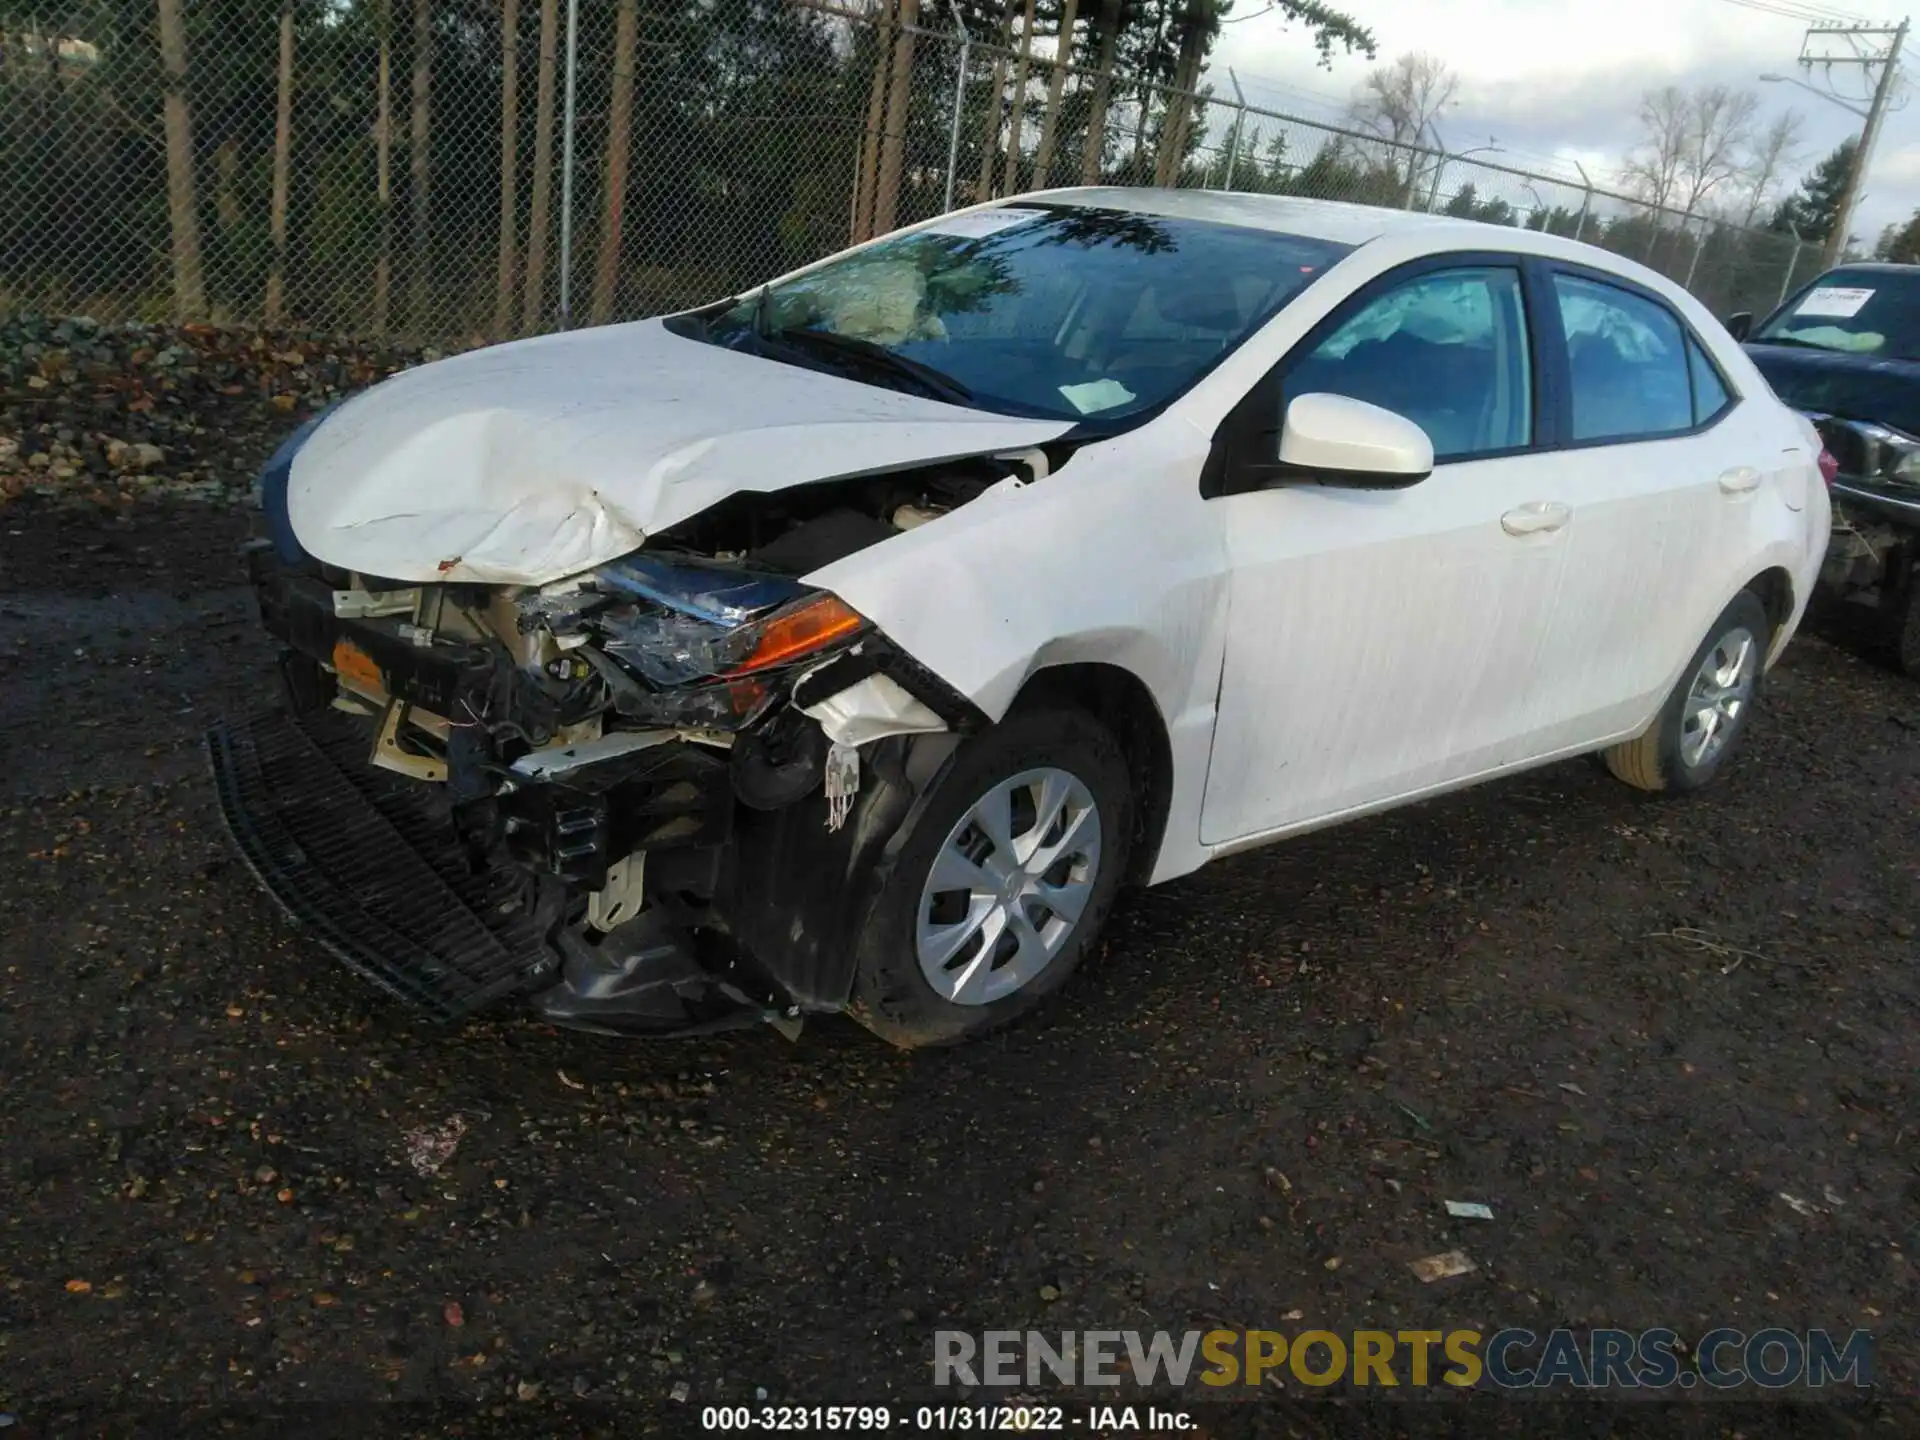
(1701, 724)
(1003, 883)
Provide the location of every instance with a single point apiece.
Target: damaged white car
(848, 644)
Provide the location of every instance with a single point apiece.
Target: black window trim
(1548, 269)
(1231, 466)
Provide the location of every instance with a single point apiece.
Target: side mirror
(1341, 441)
(1740, 324)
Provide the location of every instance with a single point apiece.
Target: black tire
(891, 996)
(1654, 760)
(1906, 627)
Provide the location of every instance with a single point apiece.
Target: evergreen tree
(1813, 208)
(1900, 243)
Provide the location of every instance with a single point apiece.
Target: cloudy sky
(1550, 81)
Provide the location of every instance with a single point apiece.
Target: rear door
(1661, 471)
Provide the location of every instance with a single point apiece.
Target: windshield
(1859, 312)
(1029, 310)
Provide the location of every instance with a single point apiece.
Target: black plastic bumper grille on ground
(382, 884)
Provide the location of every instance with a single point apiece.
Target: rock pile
(106, 414)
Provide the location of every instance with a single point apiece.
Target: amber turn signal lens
(353, 664)
(800, 631)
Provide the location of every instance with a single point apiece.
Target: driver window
(1447, 349)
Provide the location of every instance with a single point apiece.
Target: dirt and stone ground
(1631, 1027)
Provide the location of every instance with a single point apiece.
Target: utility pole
(1812, 53)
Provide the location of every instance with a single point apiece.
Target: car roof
(1294, 214)
(1412, 232)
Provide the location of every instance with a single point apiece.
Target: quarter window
(1628, 363)
(1447, 350)
(1709, 390)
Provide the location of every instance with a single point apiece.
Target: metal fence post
(1239, 120)
(1586, 200)
(1699, 244)
(1793, 262)
(959, 103)
(566, 167)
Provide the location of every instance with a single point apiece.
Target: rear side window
(1710, 395)
(1628, 363)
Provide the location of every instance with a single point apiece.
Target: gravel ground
(1627, 1025)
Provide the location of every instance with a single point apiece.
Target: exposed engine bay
(639, 794)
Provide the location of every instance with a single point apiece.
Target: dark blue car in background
(1845, 351)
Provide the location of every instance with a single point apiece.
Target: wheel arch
(1774, 586)
(1121, 701)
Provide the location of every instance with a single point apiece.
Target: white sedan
(848, 644)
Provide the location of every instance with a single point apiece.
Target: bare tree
(383, 171)
(509, 167)
(996, 104)
(1093, 147)
(1719, 127)
(419, 164)
(866, 178)
(893, 142)
(189, 284)
(606, 277)
(282, 154)
(1010, 182)
(534, 297)
(1198, 24)
(1398, 102)
(1050, 126)
(1654, 168)
(1691, 144)
(1772, 153)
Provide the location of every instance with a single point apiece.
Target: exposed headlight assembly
(707, 640)
(668, 648)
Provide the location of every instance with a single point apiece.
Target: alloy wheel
(1717, 700)
(1008, 886)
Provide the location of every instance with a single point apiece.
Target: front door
(1381, 642)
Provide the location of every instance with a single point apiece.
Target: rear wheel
(1701, 724)
(1003, 883)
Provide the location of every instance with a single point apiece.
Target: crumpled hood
(525, 463)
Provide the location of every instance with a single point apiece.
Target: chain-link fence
(459, 170)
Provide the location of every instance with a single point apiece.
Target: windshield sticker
(983, 222)
(1096, 395)
(1834, 300)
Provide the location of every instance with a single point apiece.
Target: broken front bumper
(368, 861)
(375, 866)
(657, 880)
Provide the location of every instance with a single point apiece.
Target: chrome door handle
(1535, 517)
(1740, 480)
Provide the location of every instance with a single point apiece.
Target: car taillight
(1829, 467)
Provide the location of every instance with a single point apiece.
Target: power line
(1791, 10)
